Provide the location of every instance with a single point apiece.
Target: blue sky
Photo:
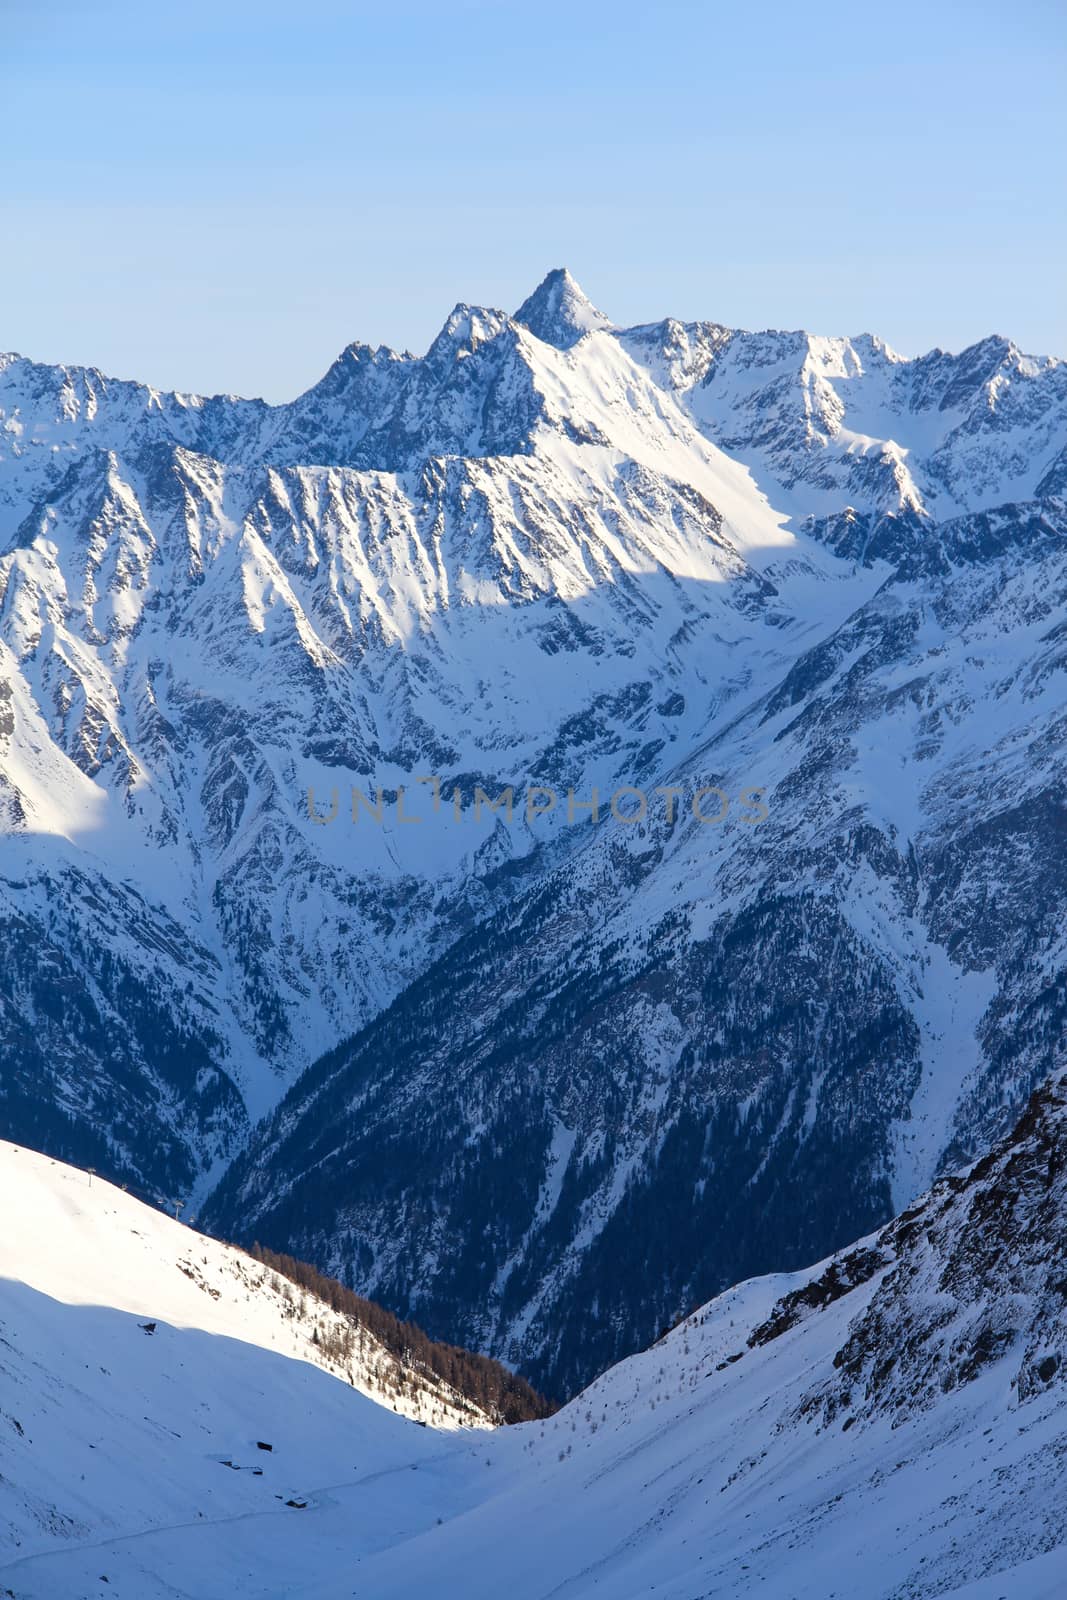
(219, 197)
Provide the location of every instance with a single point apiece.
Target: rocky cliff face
(970, 1277)
(547, 1079)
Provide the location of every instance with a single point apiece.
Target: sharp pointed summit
(558, 312)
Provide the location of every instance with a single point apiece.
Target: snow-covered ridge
(822, 422)
(84, 1242)
(164, 1395)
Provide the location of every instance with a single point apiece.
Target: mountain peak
(466, 327)
(559, 312)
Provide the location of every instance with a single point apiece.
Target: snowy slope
(108, 1432)
(890, 1423)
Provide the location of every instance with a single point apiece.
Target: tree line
(502, 1395)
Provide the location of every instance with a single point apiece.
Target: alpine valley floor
(891, 1423)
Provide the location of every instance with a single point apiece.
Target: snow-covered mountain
(191, 641)
(549, 1081)
(890, 1423)
(694, 1053)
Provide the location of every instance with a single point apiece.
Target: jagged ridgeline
(538, 1081)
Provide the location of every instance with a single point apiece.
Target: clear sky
(220, 196)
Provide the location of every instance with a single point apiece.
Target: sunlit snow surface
(113, 1440)
(704, 1467)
